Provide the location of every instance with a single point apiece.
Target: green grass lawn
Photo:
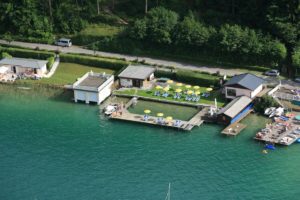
(150, 94)
(67, 73)
(100, 30)
(176, 111)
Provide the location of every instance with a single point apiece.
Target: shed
(234, 110)
(136, 76)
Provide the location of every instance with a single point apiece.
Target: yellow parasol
(179, 84)
(197, 92)
(170, 81)
(160, 114)
(158, 87)
(166, 89)
(196, 87)
(209, 89)
(169, 118)
(188, 86)
(178, 90)
(147, 111)
(189, 92)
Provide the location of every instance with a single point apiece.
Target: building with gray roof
(136, 76)
(243, 85)
(25, 65)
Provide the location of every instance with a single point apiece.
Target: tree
(160, 23)
(138, 30)
(7, 36)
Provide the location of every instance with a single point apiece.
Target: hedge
(93, 61)
(27, 53)
(50, 62)
(191, 77)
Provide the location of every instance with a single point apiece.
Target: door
(136, 83)
(14, 69)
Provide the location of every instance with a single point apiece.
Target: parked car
(297, 79)
(273, 72)
(64, 42)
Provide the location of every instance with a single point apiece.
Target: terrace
(174, 92)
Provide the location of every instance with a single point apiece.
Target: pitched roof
(249, 81)
(136, 72)
(235, 106)
(24, 62)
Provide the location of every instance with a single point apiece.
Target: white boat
(268, 111)
(279, 111)
(110, 109)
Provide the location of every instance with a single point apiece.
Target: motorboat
(279, 111)
(110, 109)
(268, 111)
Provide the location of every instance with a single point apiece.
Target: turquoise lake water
(51, 149)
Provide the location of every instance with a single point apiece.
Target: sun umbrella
(189, 92)
(188, 86)
(169, 118)
(170, 81)
(166, 89)
(179, 84)
(147, 111)
(158, 87)
(160, 114)
(209, 89)
(197, 92)
(178, 90)
(196, 87)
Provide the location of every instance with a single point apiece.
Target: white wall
(239, 92)
(256, 91)
(96, 96)
(125, 82)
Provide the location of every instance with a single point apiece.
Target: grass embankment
(67, 73)
(150, 94)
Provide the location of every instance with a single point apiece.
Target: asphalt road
(151, 61)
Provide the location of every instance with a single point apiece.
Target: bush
(265, 102)
(27, 53)
(166, 74)
(50, 62)
(5, 55)
(93, 61)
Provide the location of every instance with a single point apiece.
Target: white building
(25, 66)
(247, 85)
(93, 87)
(136, 76)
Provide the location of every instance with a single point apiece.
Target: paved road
(151, 61)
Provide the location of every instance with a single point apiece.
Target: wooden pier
(233, 129)
(278, 133)
(183, 125)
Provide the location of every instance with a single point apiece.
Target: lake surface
(54, 149)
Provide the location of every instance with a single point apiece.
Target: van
(64, 42)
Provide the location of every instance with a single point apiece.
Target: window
(231, 92)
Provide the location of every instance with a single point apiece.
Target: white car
(64, 42)
(273, 72)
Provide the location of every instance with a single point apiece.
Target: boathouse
(136, 76)
(93, 87)
(243, 85)
(24, 66)
(235, 110)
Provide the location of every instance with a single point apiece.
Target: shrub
(93, 61)
(50, 62)
(265, 102)
(5, 55)
(163, 73)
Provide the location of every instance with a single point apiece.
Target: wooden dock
(233, 129)
(279, 133)
(184, 125)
